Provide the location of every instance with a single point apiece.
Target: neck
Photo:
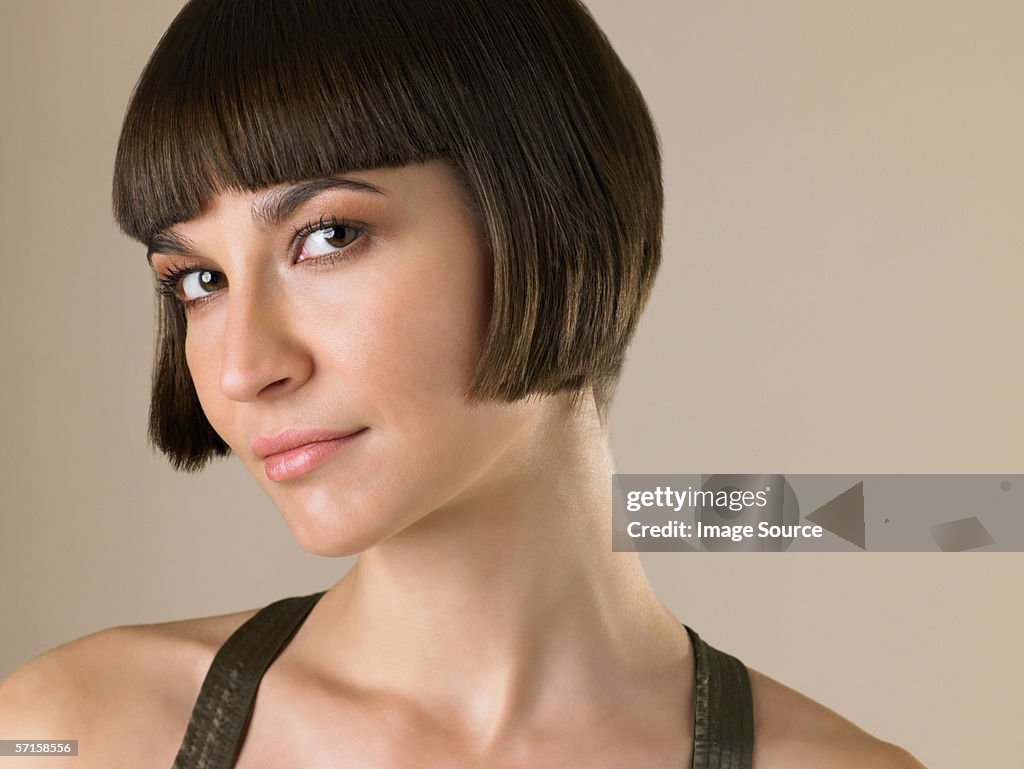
(509, 605)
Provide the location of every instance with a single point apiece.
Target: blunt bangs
(525, 99)
(245, 94)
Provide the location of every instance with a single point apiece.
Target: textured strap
(224, 706)
(723, 722)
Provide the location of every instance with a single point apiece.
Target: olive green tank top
(723, 724)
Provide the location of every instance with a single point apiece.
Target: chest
(349, 736)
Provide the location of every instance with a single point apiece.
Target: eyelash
(167, 285)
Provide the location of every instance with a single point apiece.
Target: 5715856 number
(38, 747)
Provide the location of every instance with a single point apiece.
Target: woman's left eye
(326, 240)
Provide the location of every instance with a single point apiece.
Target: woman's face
(357, 305)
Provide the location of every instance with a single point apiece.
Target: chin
(333, 538)
(337, 528)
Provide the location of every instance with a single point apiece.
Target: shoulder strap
(723, 722)
(224, 706)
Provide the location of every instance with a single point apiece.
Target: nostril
(279, 384)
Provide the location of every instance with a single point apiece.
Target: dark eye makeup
(322, 242)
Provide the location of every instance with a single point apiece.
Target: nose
(262, 357)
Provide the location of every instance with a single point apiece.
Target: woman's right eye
(190, 285)
(200, 283)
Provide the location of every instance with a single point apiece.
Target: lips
(297, 452)
(293, 438)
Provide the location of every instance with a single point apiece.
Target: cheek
(424, 339)
(203, 367)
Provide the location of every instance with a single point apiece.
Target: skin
(487, 622)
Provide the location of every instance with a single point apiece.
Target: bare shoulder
(125, 693)
(792, 731)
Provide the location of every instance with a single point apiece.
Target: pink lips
(296, 452)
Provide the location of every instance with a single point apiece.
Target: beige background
(840, 293)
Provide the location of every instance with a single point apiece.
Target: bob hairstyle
(525, 99)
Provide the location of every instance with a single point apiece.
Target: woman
(402, 248)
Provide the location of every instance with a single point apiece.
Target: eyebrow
(268, 210)
(272, 207)
(170, 242)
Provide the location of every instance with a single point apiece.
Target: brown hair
(525, 98)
